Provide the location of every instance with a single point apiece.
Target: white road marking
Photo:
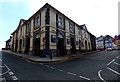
(71, 73)
(60, 70)
(2, 66)
(52, 67)
(11, 73)
(111, 62)
(14, 78)
(84, 77)
(118, 57)
(2, 80)
(47, 65)
(7, 70)
(113, 71)
(0, 60)
(40, 63)
(116, 63)
(100, 76)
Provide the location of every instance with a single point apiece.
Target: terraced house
(49, 32)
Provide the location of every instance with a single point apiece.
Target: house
(116, 42)
(104, 42)
(8, 44)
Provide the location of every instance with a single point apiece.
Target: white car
(109, 49)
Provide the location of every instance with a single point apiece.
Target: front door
(60, 46)
(37, 46)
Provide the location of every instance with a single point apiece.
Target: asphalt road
(103, 65)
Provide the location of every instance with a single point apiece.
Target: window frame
(28, 27)
(71, 27)
(60, 21)
(37, 22)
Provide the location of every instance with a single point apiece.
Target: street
(102, 65)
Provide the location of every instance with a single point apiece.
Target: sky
(100, 16)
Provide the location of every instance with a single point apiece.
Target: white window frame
(60, 21)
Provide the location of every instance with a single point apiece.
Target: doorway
(37, 46)
(16, 46)
(27, 45)
(20, 46)
(86, 46)
(60, 46)
(79, 45)
(72, 45)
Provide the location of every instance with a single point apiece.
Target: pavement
(37, 59)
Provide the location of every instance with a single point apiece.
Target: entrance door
(86, 46)
(20, 45)
(60, 46)
(27, 45)
(72, 45)
(16, 46)
(37, 46)
(79, 45)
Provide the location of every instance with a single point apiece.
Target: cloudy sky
(100, 16)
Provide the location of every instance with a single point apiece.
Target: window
(53, 38)
(21, 30)
(60, 22)
(76, 42)
(47, 17)
(79, 31)
(68, 41)
(28, 27)
(38, 21)
(71, 27)
(23, 43)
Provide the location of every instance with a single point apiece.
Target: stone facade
(50, 33)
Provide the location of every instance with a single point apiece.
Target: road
(103, 65)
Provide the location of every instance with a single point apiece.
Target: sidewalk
(46, 60)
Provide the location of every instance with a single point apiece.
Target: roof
(116, 38)
(48, 5)
(21, 20)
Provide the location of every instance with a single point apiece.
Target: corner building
(49, 32)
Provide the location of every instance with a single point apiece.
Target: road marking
(52, 67)
(118, 57)
(111, 62)
(6, 71)
(2, 66)
(116, 63)
(71, 73)
(47, 65)
(7, 67)
(14, 78)
(40, 63)
(84, 77)
(100, 75)
(113, 71)
(0, 60)
(60, 70)
(2, 80)
(11, 73)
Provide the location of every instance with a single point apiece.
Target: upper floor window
(47, 17)
(79, 31)
(28, 27)
(38, 21)
(21, 30)
(72, 27)
(60, 22)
